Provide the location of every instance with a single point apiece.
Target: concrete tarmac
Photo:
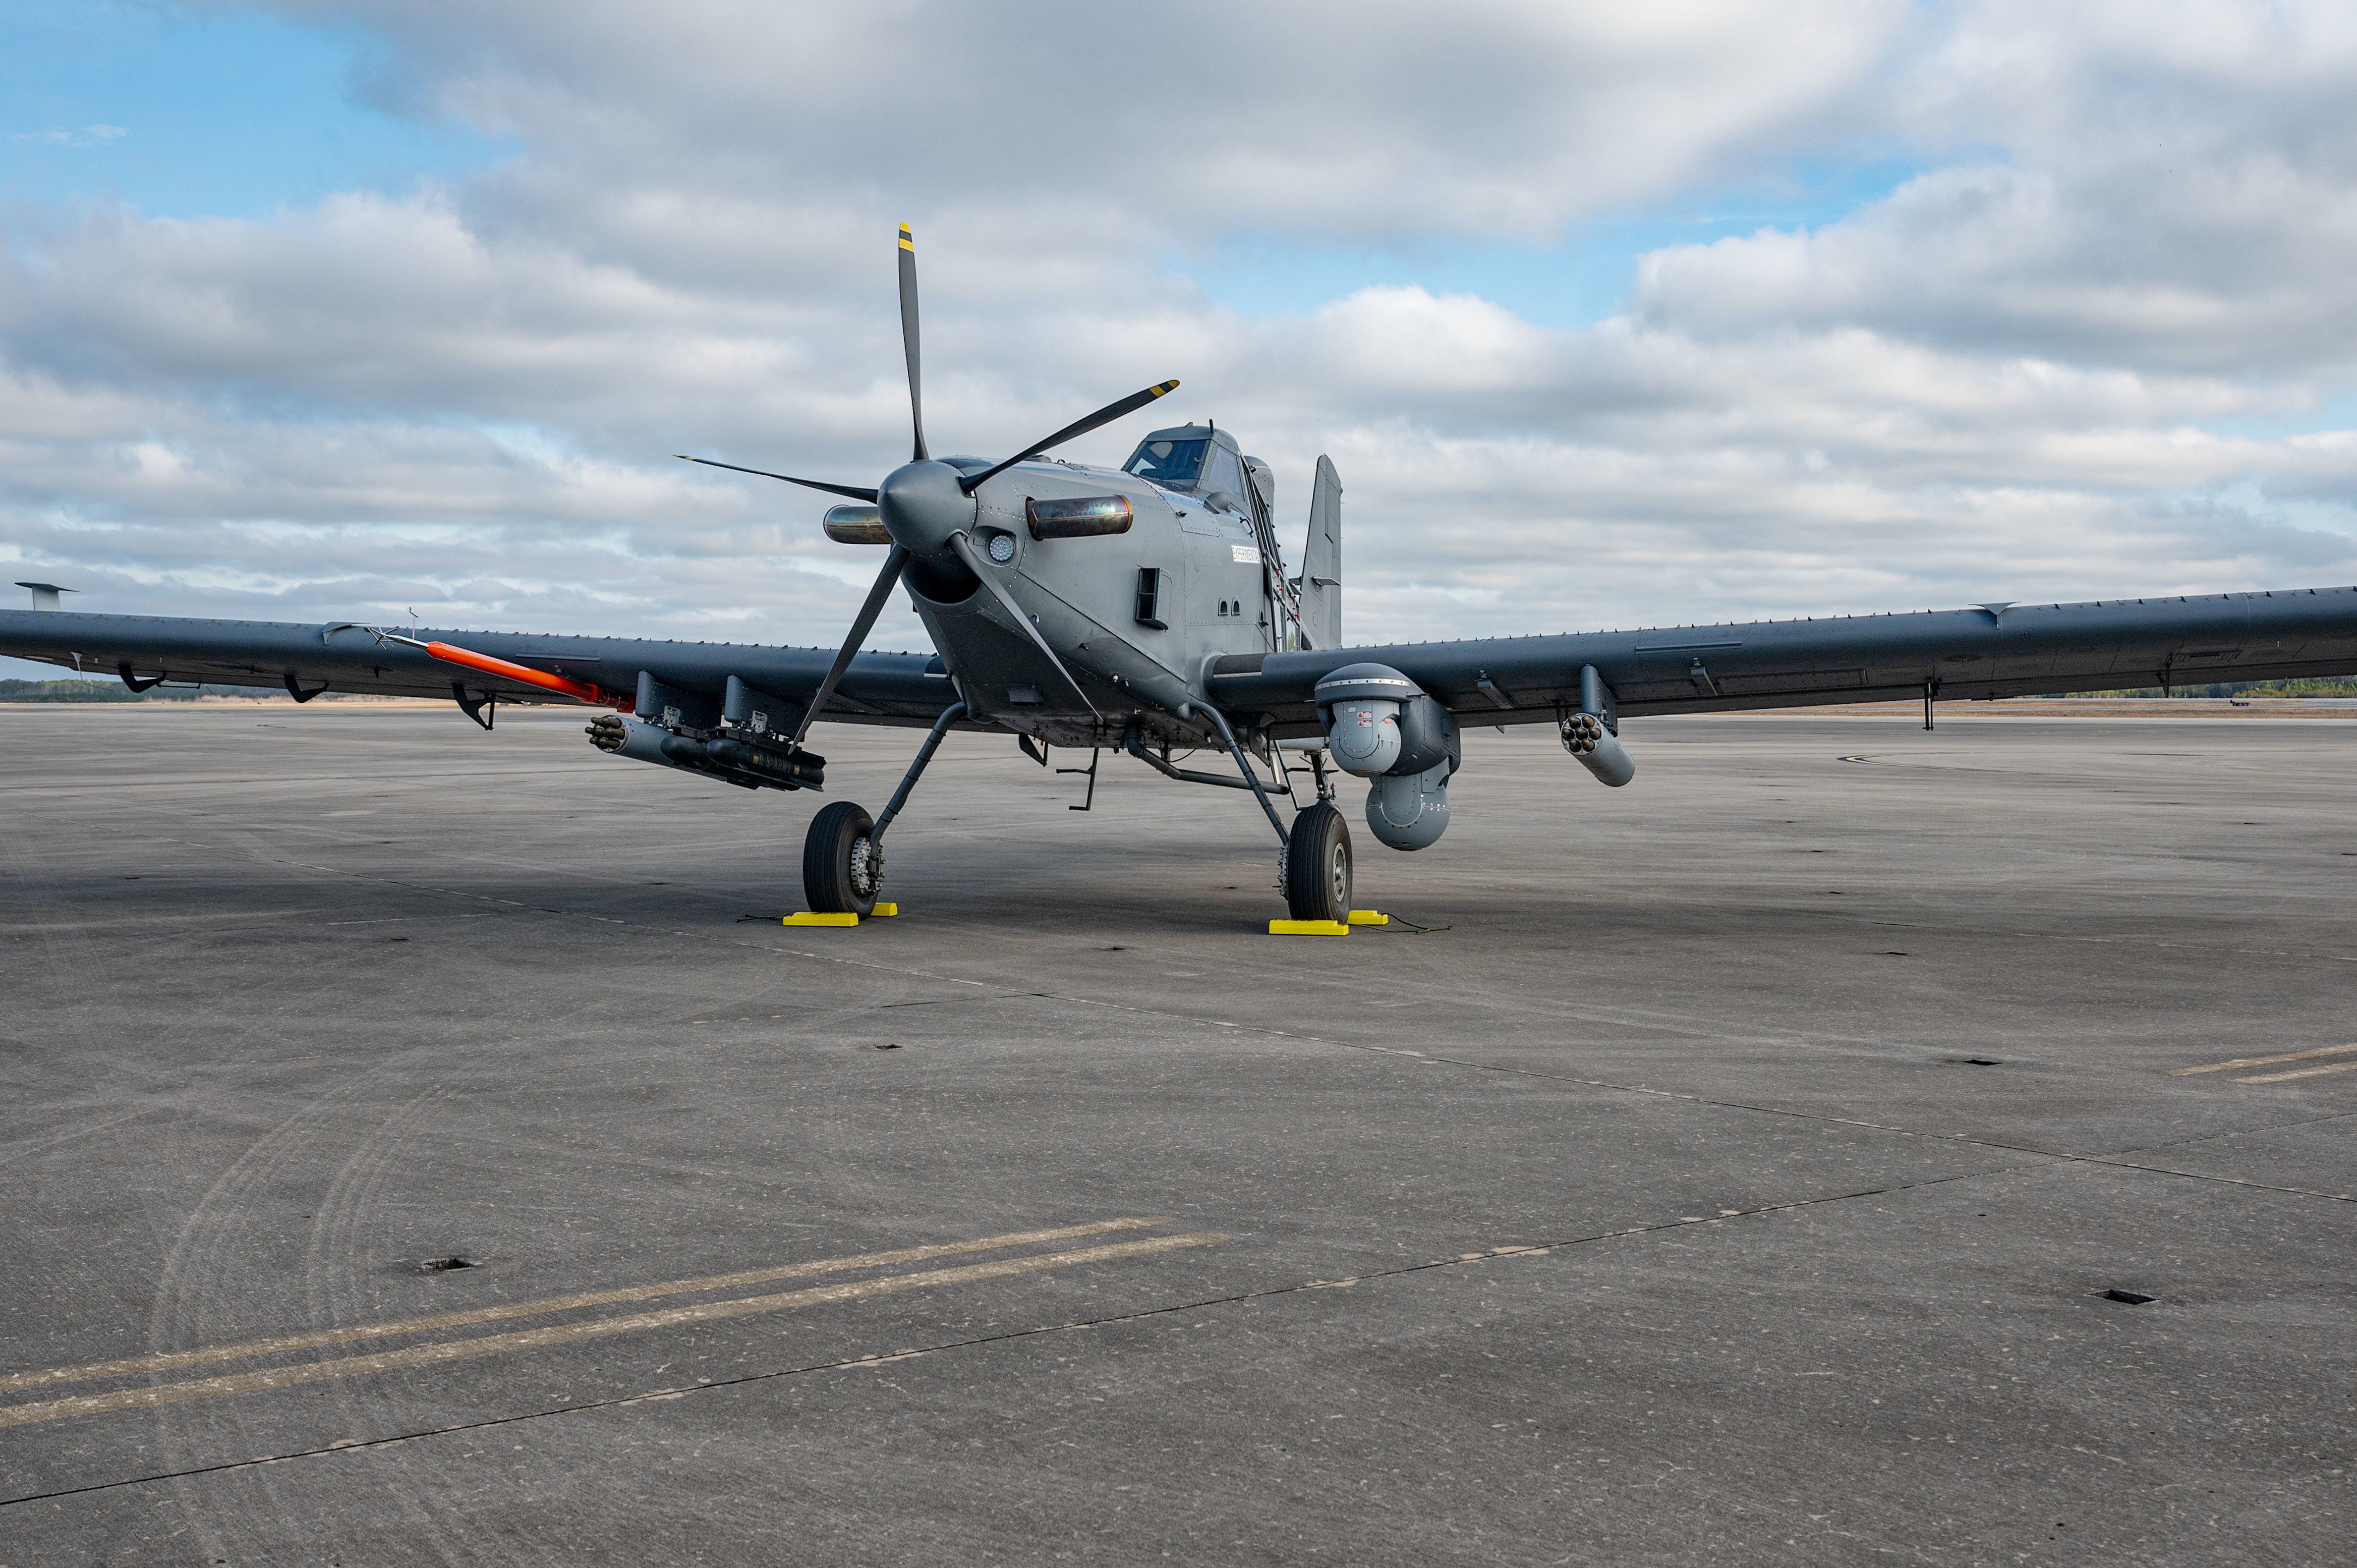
(1735, 1174)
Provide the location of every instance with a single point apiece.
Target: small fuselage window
(1173, 465)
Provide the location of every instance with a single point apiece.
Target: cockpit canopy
(1194, 459)
(1172, 459)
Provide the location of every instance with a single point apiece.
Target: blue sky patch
(183, 115)
(1575, 283)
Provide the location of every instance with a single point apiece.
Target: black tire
(1318, 865)
(838, 830)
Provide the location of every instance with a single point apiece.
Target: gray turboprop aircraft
(1146, 609)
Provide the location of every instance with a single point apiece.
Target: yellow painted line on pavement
(2261, 1061)
(166, 1360)
(568, 1333)
(2303, 1072)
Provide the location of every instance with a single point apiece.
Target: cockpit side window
(1170, 464)
(1226, 472)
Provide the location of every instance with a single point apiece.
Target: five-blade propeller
(898, 560)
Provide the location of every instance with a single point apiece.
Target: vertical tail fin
(1321, 561)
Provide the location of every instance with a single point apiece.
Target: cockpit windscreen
(1170, 464)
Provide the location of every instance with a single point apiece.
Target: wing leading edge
(907, 689)
(1984, 652)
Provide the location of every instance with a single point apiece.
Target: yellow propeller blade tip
(1165, 389)
(907, 241)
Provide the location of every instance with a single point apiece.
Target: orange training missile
(529, 677)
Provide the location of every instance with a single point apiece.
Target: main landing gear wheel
(842, 868)
(1318, 865)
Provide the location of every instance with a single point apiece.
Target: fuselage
(1134, 620)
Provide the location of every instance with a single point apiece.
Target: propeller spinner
(925, 507)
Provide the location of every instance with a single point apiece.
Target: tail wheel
(842, 868)
(1318, 865)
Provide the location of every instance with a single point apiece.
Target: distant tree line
(117, 691)
(2308, 686)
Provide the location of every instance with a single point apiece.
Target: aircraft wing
(1997, 650)
(909, 689)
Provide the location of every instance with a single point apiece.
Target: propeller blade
(908, 338)
(860, 625)
(1104, 416)
(974, 563)
(854, 492)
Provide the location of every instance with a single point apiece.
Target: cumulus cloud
(2090, 346)
(1511, 116)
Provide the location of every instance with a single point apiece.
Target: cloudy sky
(1610, 314)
